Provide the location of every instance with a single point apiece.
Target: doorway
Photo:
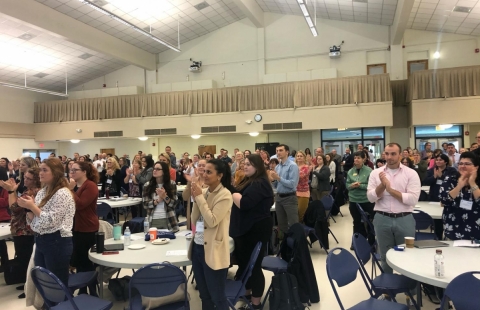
(108, 151)
(212, 149)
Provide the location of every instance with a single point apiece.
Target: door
(437, 143)
(212, 149)
(376, 146)
(108, 151)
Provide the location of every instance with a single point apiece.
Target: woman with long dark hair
(210, 249)
(251, 222)
(460, 196)
(51, 219)
(83, 183)
(160, 197)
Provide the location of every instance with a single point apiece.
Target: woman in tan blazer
(209, 251)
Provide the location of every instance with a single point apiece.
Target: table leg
(117, 214)
(419, 295)
(100, 280)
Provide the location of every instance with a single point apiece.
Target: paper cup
(153, 233)
(189, 240)
(409, 242)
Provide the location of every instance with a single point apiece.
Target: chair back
(422, 220)
(248, 271)
(366, 219)
(157, 280)
(327, 202)
(104, 211)
(463, 291)
(361, 248)
(342, 267)
(53, 291)
(123, 191)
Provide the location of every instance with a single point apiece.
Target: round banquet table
(434, 209)
(5, 231)
(135, 259)
(418, 264)
(120, 202)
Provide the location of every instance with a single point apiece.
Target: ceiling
(47, 54)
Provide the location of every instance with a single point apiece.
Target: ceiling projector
(335, 51)
(196, 66)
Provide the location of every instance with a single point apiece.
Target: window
(417, 65)
(376, 69)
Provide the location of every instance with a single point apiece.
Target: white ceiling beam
(60, 25)
(252, 10)
(402, 14)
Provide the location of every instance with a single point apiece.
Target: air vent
(152, 132)
(462, 9)
(40, 75)
(27, 36)
(227, 128)
(280, 126)
(168, 131)
(209, 129)
(106, 134)
(99, 2)
(85, 56)
(361, 1)
(201, 5)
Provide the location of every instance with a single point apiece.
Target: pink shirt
(404, 180)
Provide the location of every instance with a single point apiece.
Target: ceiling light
(126, 23)
(26, 36)
(143, 138)
(253, 134)
(38, 90)
(462, 9)
(436, 55)
(74, 141)
(195, 136)
(445, 126)
(306, 14)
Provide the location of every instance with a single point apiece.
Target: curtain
(348, 90)
(399, 92)
(450, 82)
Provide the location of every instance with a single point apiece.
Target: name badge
(466, 204)
(130, 181)
(199, 226)
(416, 166)
(439, 182)
(66, 174)
(354, 174)
(109, 181)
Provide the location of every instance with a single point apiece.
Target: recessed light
(26, 36)
(462, 9)
(201, 5)
(40, 75)
(85, 56)
(99, 2)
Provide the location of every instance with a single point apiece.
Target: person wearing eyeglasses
(160, 197)
(111, 177)
(83, 184)
(460, 196)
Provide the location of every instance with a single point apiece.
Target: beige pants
(302, 207)
(316, 195)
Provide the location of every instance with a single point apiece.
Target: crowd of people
(54, 201)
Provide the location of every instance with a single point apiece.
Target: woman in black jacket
(320, 179)
(111, 178)
(251, 222)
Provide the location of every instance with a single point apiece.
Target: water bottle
(439, 264)
(146, 225)
(126, 236)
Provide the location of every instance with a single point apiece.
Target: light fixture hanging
(128, 24)
(308, 17)
(195, 136)
(253, 134)
(445, 126)
(436, 55)
(143, 138)
(74, 141)
(38, 90)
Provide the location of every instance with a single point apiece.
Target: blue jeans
(210, 283)
(53, 252)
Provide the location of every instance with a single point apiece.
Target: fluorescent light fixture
(195, 136)
(126, 23)
(445, 126)
(253, 134)
(436, 55)
(38, 90)
(143, 138)
(74, 141)
(308, 17)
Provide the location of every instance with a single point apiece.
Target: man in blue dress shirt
(285, 181)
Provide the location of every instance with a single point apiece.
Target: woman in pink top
(303, 190)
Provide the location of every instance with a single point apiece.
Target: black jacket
(300, 264)
(315, 217)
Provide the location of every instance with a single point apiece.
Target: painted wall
(13, 148)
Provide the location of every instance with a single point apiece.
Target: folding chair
(463, 291)
(82, 279)
(375, 255)
(385, 283)
(343, 268)
(158, 280)
(105, 212)
(423, 221)
(235, 289)
(57, 296)
(328, 204)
